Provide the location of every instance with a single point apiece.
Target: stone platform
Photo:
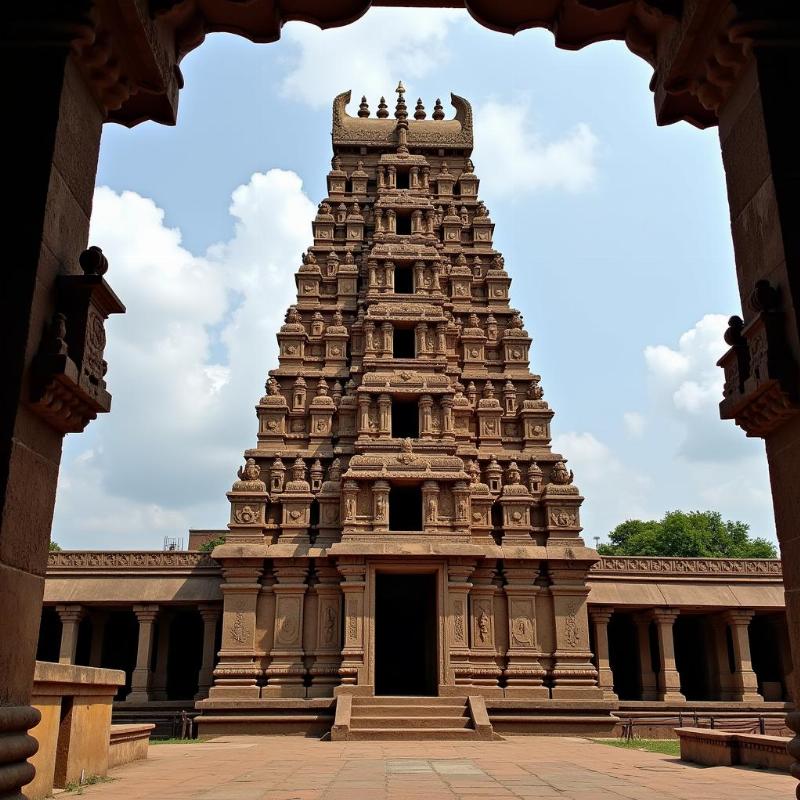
(436, 718)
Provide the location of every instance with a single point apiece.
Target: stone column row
(146, 684)
(664, 684)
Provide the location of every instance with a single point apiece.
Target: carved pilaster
(458, 620)
(238, 670)
(483, 653)
(286, 672)
(524, 673)
(573, 675)
(326, 631)
(353, 572)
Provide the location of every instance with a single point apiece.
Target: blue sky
(615, 233)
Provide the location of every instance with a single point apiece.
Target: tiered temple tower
(402, 525)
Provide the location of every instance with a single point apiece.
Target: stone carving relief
(238, 631)
(288, 620)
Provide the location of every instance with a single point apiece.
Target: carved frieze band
(689, 566)
(179, 559)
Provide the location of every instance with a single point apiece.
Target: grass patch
(176, 741)
(667, 747)
(74, 787)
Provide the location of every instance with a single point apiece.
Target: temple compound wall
(402, 525)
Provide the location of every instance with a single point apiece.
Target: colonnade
(154, 624)
(721, 650)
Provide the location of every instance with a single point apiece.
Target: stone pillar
(99, 620)
(350, 502)
(387, 339)
(421, 336)
(363, 414)
(239, 671)
(483, 652)
(441, 327)
(457, 633)
(71, 617)
(573, 673)
(380, 506)
(745, 683)
(430, 506)
(419, 267)
(524, 672)
(353, 570)
(669, 680)
(722, 685)
(781, 635)
(158, 686)
(286, 672)
(210, 616)
(600, 617)
(647, 678)
(461, 503)
(425, 416)
(384, 415)
(369, 338)
(448, 429)
(140, 682)
(762, 164)
(55, 148)
(325, 631)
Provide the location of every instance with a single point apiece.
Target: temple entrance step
(429, 718)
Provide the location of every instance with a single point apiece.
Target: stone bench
(720, 748)
(128, 743)
(73, 731)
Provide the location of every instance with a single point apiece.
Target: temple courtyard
(293, 768)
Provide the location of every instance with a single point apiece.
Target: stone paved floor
(291, 768)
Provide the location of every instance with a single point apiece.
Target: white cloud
(634, 422)
(678, 453)
(186, 363)
(613, 491)
(513, 158)
(686, 385)
(369, 56)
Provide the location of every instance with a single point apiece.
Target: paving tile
(525, 768)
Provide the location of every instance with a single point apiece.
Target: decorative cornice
(647, 565)
(349, 131)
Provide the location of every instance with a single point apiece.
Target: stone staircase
(433, 718)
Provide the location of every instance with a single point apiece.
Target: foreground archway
(81, 64)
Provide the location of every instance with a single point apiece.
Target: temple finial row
(401, 110)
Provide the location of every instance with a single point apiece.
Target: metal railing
(772, 726)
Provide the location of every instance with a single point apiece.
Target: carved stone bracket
(761, 388)
(68, 387)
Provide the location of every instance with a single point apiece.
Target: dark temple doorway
(405, 508)
(405, 634)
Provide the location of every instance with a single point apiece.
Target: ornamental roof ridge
(437, 132)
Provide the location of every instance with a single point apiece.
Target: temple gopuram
(404, 553)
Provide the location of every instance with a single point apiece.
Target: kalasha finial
(93, 262)
(438, 111)
(419, 111)
(363, 107)
(383, 109)
(401, 111)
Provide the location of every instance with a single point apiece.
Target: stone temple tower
(402, 526)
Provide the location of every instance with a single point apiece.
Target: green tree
(55, 547)
(208, 546)
(702, 534)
